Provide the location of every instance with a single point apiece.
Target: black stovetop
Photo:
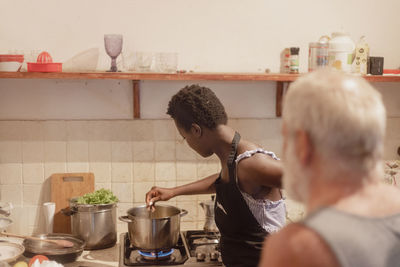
(133, 258)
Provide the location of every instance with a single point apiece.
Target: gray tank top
(358, 241)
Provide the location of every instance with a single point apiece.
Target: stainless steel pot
(154, 230)
(95, 224)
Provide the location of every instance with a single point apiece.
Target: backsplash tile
(99, 151)
(55, 130)
(165, 151)
(11, 130)
(164, 130)
(33, 173)
(32, 152)
(11, 173)
(54, 167)
(33, 131)
(55, 151)
(140, 189)
(99, 130)
(123, 191)
(121, 172)
(183, 151)
(165, 171)
(77, 131)
(186, 170)
(101, 171)
(121, 131)
(77, 166)
(12, 193)
(126, 156)
(10, 151)
(144, 172)
(121, 151)
(143, 150)
(143, 130)
(32, 194)
(77, 151)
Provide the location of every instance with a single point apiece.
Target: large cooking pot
(95, 224)
(155, 230)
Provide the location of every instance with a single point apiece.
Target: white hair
(343, 115)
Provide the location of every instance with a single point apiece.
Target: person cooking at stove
(249, 203)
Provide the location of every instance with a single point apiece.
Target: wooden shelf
(153, 76)
(279, 78)
(282, 77)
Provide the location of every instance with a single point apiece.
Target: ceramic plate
(9, 252)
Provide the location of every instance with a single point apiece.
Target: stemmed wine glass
(113, 45)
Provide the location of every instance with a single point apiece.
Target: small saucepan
(154, 230)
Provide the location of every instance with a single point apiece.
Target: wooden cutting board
(65, 186)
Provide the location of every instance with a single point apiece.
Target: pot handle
(183, 212)
(68, 212)
(125, 219)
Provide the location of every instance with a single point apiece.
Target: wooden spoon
(60, 242)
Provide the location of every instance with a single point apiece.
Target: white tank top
(271, 215)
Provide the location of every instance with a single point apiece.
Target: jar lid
(294, 50)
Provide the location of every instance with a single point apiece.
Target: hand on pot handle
(157, 194)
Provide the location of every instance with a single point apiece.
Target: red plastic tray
(9, 58)
(44, 67)
(391, 71)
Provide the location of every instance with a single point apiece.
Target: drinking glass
(143, 61)
(113, 45)
(167, 62)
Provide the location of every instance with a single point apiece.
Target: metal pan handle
(183, 212)
(125, 219)
(68, 211)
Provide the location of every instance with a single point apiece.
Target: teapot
(208, 207)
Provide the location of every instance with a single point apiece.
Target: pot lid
(47, 248)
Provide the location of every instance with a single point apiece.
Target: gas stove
(194, 248)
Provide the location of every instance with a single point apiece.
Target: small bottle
(294, 60)
(360, 63)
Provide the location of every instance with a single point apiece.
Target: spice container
(294, 60)
(318, 53)
(285, 60)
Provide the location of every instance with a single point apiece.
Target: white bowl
(10, 66)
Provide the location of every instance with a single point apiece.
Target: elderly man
(333, 132)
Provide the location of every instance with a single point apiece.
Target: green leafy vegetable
(101, 196)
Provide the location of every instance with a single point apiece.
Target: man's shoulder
(297, 245)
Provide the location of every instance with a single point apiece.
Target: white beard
(295, 178)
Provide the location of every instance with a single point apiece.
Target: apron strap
(232, 157)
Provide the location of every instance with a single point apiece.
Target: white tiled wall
(128, 157)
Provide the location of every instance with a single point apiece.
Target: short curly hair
(197, 104)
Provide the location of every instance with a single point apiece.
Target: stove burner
(154, 255)
(133, 256)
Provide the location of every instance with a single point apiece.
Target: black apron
(241, 235)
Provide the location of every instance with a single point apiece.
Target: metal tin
(318, 55)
